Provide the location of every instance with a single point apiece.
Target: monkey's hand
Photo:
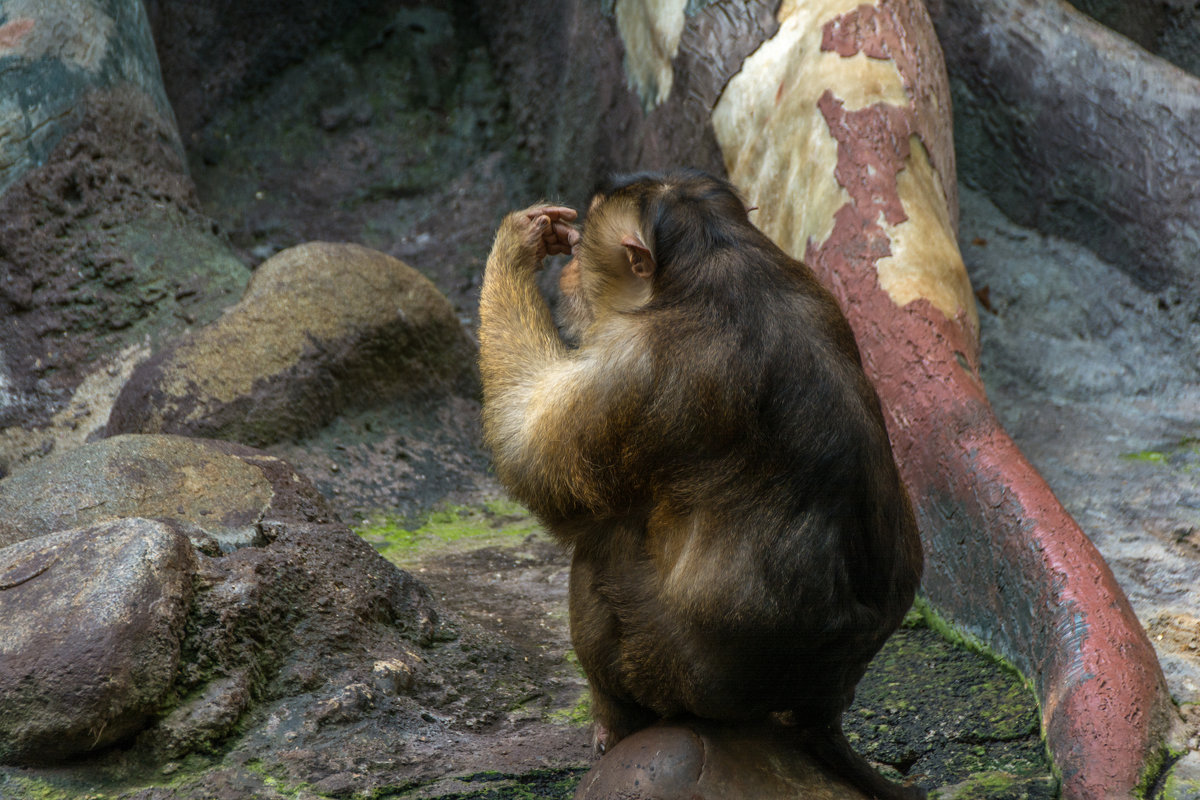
(542, 230)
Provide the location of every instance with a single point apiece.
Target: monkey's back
(780, 545)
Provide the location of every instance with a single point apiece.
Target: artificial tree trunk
(1076, 130)
(102, 244)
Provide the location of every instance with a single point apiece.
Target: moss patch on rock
(449, 529)
(929, 707)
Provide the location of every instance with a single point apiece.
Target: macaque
(703, 437)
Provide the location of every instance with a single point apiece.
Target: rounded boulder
(320, 328)
(91, 622)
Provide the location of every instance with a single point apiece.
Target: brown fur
(715, 455)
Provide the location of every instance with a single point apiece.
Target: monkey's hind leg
(616, 718)
(828, 744)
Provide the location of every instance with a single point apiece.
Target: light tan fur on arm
(537, 393)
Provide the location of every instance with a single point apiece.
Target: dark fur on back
(717, 459)
(760, 421)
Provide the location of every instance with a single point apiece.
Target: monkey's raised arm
(517, 335)
(545, 407)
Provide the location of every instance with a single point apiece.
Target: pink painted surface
(12, 32)
(1003, 558)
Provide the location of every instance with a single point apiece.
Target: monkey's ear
(640, 260)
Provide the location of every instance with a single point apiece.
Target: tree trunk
(102, 245)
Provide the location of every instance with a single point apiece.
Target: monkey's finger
(559, 212)
(561, 239)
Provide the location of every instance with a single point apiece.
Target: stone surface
(215, 487)
(699, 761)
(320, 328)
(212, 51)
(91, 624)
(283, 596)
(1075, 130)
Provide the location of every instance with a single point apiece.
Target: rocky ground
(397, 136)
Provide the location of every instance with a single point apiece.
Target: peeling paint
(74, 31)
(925, 260)
(12, 33)
(650, 31)
(775, 147)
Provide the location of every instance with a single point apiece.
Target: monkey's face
(609, 272)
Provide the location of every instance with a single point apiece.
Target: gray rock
(216, 488)
(278, 597)
(320, 328)
(91, 622)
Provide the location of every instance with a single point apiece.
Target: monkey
(697, 427)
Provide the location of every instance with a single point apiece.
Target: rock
(103, 249)
(279, 597)
(708, 761)
(320, 328)
(91, 622)
(224, 491)
(215, 51)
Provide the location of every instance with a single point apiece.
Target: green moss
(577, 716)
(1007, 697)
(35, 789)
(539, 784)
(450, 528)
(543, 784)
(106, 779)
(1184, 454)
(898, 703)
(930, 617)
(1174, 788)
(1179, 788)
(982, 786)
(1150, 456)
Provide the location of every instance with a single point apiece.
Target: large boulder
(243, 588)
(92, 622)
(320, 328)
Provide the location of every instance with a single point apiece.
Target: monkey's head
(644, 237)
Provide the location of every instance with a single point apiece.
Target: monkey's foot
(600, 739)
